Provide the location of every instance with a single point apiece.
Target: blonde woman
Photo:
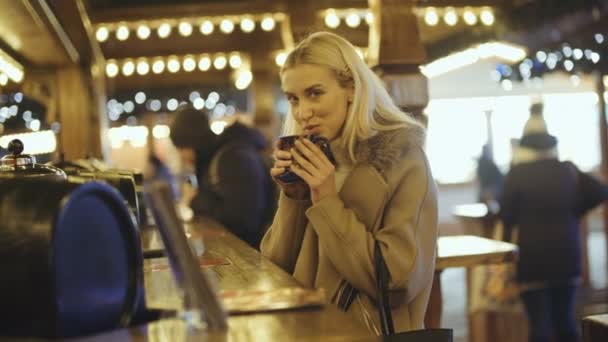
(381, 188)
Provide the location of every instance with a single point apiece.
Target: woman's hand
(283, 160)
(311, 164)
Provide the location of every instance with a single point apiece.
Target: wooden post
(77, 113)
(396, 52)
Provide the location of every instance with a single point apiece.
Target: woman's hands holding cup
(310, 163)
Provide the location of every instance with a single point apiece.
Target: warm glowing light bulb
(189, 64)
(247, 24)
(158, 66)
(267, 23)
(280, 58)
(235, 60)
(204, 63)
(102, 34)
(206, 27)
(331, 19)
(220, 62)
(469, 17)
(143, 67)
(431, 17)
(185, 28)
(450, 17)
(487, 17)
(122, 33)
(353, 20)
(143, 32)
(164, 30)
(112, 69)
(226, 26)
(128, 68)
(173, 64)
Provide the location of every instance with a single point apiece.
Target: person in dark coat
(542, 202)
(489, 175)
(234, 185)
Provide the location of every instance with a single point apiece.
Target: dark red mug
(286, 143)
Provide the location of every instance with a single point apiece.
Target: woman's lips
(312, 129)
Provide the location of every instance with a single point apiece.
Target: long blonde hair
(372, 109)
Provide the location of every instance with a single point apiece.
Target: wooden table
(595, 328)
(463, 251)
(247, 270)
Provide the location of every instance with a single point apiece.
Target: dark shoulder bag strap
(384, 309)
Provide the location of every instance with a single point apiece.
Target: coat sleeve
(283, 240)
(407, 236)
(508, 206)
(592, 192)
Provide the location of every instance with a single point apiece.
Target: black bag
(386, 318)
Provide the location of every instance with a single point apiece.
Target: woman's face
(317, 101)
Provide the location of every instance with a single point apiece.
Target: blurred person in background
(489, 176)
(234, 187)
(157, 170)
(541, 206)
(381, 191)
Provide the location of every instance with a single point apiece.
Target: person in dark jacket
(542, 203)
(234, 186)
(489, 175)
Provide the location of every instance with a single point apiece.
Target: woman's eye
(292, 100)
(316, 93)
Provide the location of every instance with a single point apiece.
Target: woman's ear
(350, 95)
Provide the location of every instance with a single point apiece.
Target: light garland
(185, 26)
(431, 16)
(188, 63)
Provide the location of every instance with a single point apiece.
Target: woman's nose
(305, 112)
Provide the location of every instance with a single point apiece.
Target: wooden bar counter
(247, 270)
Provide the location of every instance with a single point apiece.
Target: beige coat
(390, 197)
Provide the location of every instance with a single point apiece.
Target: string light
(267, 23)
(158, 66)
(102, 34)
(204, 63)
(128, 68)
(469, 17)
(280, 58)
(235, 60)
(226, 26)
(173, 64)
(450, 17)
(143, 67)
(247, 25)
(112, 69)
(143, 32)
(487, 17)
(353, 20)
(164, 30)
(219, 62)
(331, 19)
(206, 27)
(122, 33)
(185, 28)
(430, 16)
(189, 64)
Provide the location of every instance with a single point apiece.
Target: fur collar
(386, 148)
